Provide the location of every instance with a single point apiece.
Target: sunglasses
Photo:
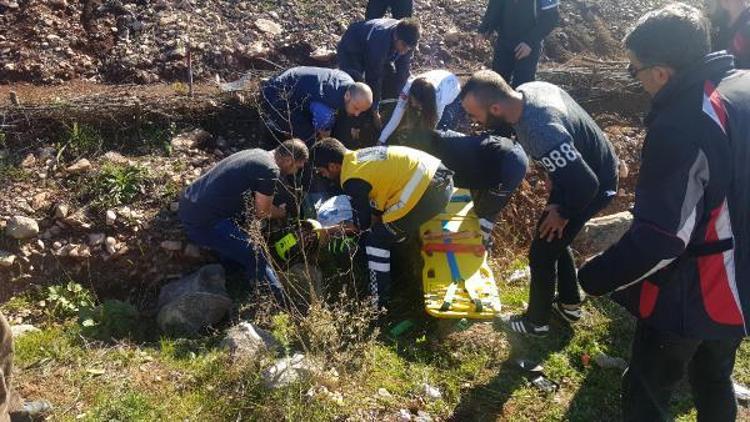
(635, 71)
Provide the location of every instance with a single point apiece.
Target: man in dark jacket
(732, 18)
(582, 166)
(521, 27)
(379, 52)
(303, 102)
(683, 268)
(399, 8)
(491, 167)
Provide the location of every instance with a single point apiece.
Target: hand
(376, 119)
(522, 51)
(355, 133)
(322, 134)
(278, 213)
(553, 225)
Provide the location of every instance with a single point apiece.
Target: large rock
(22, 227)
(601, 233)
(246, 341)
(199, 300)
(189, 139)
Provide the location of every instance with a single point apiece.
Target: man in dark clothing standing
(683, 268)
(213, 208)
(491, 167)
(582, 166)
(399, 8)
(732, 18)
(303, 102)
(521, 26)
(379, 52)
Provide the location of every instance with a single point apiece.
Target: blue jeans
(233, 245)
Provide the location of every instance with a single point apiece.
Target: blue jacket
(366, 52)
(684, 264)
(292, 96)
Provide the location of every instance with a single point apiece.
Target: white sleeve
(446, 92)
(398, 114)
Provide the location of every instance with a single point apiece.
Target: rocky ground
(138, 41)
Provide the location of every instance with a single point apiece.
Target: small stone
(62, 210)
(171, 245)
(323, 54)
(28, 161)
(246, 341)
(81, 166)
(192, 251)
(189, 139)
(20, 227)
(423, 416)
(269, 27)
(96, 239)
(110, 244)
(40, 201)
(125, 212)
(382, 392)
(19, 330)
(116, 158)
(403, 415)
(288, 370)
(111, 217)
(6, 259)
(432, 393)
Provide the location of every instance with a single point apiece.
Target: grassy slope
(196, 380)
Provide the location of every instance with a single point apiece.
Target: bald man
(304, 102)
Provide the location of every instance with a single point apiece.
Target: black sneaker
(570, 315)
(519, 324)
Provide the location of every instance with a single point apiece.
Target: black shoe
(570, 315)
(521, 325)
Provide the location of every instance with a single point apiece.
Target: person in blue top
(213, 209)
(303, 102)
(379, 52)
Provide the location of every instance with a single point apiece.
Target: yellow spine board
(475, 294)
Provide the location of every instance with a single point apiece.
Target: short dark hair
(408, 31)
(488, 87)
(294, 148)
(676, 35)
(328, 151)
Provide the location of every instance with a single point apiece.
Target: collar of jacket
(710, 68)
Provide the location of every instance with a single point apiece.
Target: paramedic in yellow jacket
(393, 189)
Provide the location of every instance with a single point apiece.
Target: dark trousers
(380, 239)
(234, 246)
(661, 359)
(454, 117)
(399, 8)
(552, 264)
(515, 72)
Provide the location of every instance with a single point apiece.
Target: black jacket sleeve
(492, 17)
(359, 191)
(668, 203)
(547, 19)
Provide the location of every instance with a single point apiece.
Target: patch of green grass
(115, 184)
